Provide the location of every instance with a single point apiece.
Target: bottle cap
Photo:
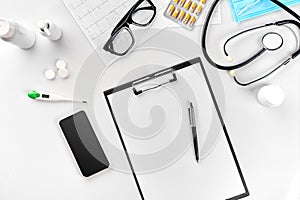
(7, 29)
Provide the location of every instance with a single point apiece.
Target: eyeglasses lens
(123, 41)
(144, 14)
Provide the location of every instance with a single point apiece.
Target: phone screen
(84, 144)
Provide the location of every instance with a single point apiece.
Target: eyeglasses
(121, 39)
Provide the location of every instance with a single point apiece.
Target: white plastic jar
(271, 96)
(16, 34)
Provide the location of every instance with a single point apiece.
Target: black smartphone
(84, 144)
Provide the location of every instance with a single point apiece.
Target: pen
(193, 128)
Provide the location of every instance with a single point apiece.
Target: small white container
(271, 96)
(49, 29)
(16, 34)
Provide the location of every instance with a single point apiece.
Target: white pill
(60, 64)
(50, 74)
(63, 73)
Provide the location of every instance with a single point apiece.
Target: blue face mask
(247, 9)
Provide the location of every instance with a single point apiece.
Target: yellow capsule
(203, 1)
(198, 10)
(187, 18)
(193, 20)
(175, 13)
(175, 1)
(181, 15)
(193, 7)
(188, 5)
(171, 9)
(181, 3)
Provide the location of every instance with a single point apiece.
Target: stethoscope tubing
(253, 57)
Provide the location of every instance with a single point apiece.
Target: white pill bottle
(271, 96)
(16, 34)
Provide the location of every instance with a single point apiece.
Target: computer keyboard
(96, 17)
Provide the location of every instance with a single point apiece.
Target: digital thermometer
(43, 96)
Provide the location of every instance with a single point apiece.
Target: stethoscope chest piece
(272, 41)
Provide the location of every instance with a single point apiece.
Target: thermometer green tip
(33, 94)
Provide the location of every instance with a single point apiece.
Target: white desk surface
(34, 160)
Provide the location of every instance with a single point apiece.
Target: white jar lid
(271, 95)
(7, 29)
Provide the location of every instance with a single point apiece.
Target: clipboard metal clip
(137, 91)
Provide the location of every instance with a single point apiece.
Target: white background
(34, 161)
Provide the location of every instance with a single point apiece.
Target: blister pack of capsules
(185, 12)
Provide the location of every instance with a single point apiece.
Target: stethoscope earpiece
(272, 41)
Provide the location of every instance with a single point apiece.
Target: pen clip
(191, 113)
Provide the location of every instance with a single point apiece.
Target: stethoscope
(270, 42)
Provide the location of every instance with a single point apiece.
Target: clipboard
(217, 177)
